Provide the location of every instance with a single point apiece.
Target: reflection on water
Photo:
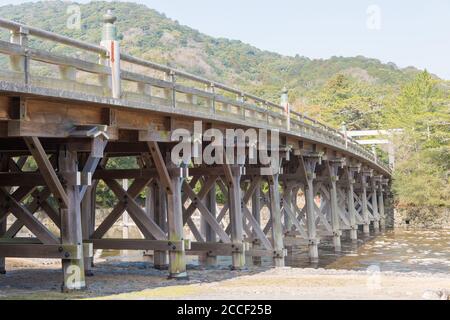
(399, 250)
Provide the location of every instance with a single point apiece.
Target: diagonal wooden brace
(47, 171)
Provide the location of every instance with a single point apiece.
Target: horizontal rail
(18, 27)
(267, 111)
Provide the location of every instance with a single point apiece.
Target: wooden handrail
(275, 111)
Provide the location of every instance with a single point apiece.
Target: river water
(399, 250)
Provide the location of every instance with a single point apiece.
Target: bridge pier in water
(60, 140)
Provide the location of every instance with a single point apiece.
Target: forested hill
(146, 33)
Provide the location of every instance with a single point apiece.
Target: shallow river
(395, 250)
(400, 250)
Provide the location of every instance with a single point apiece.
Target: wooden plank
(158, 160)
(206, 214)
(207, 186)
(136, 212)
(294, 220)
(228, 175)
(109, 221)
(177, 261)
(257, 229)
(275, 212)
(216, 248)
(71, 228)
(39, 199)
(47, 171)
(266, 253)
(31, 222)
(18, 195)
(140, 244)
(48, 251)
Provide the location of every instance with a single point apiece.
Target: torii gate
(377, 140)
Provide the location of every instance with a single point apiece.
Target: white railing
(154, 84)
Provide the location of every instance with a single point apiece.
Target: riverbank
(397, 264)
(135, 281)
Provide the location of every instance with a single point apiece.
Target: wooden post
(277, 229)
(287, 200)
(125, 220)
(235, 210)
(210, 235)
(88, 223)
(351, 204)
(309, 164)
(364, 209)
(4, 167)
(20, 64)
(177, 259)
(71, 231)
(333, 167)
(376, 216)
(158, 210)
(111, 44)
(256, 212)
(381, 207)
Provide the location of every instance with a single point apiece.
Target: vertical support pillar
(111, 44)
(2, 233)
(376, 215)
(125, 220)
(20, 64)
(177, 259)
(287, 201)
(381, 207)
(286, 106)
(364, 209)
(256, 212)
(351, 203)
(158, 211)
(4, 167)
(309, 164)
(277, 229)
(235, 210)
(71, 230)
(210, 235)
(88, 223)
(333, 167)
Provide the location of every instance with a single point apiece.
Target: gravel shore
(40, 279)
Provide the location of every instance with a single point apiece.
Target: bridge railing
(150, 83)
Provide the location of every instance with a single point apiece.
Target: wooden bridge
(64, 113)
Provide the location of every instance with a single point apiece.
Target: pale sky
(406, 32)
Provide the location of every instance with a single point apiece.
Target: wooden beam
(275, 212)
(141, 244)
(206, 213)
(71, 230)
(136, 212)
(215, 248)
(161, 168)
(30, 221)
(109, 221)
(177, 260)
(39, 199)
(18, 195)
(47, 171)
(48, 251)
